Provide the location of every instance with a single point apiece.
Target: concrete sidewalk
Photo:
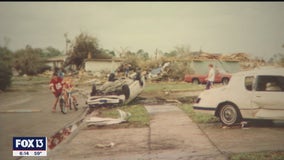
(171, 135)
(172, 129)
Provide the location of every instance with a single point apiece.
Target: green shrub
(5, 76)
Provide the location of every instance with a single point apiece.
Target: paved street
(31, 116)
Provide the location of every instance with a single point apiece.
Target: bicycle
(62, 104)
(70, 101)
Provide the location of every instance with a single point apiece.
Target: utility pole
(156, 54)
(66, 41)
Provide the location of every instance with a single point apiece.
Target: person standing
(211, 76)
(126, 69)
(56, 86)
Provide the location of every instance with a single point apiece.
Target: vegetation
(28, 61)
(139, 116)
(5, 76)
(136, 60)
(197, 117)
(277, 59)
(5, 68)
(171, 86)
(6, 56)
(177, 71)
(50, 52)
(84, 46)
(269, 155)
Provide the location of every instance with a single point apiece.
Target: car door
(266, 96)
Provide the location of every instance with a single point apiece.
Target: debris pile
(222, 57)
(98, 121)
(235, 57)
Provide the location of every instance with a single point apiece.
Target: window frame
(251, 87)
(262, 80)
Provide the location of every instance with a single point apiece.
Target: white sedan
(254, 94)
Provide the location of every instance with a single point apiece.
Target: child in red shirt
(56, 86)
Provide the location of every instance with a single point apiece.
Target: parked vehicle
(220, 77)
(255, 94)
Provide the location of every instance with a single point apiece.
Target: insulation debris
(98, 121)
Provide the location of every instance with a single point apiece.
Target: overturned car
(116, 91)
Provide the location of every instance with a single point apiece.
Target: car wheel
(195, 81)
(225, 81)
(229, 114)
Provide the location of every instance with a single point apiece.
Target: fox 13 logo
(29, 146)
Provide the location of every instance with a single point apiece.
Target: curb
(64, 135)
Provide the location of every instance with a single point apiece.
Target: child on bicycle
(55, 85)
(67, 88)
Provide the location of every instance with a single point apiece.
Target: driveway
(254, 138)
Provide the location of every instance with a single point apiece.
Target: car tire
(225, 81)
(229, 114)
(195, 81)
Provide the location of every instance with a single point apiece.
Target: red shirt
(56, 84)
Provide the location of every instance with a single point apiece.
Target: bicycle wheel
(75, 105)
(62, 105)
(70, 103)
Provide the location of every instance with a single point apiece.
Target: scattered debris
(243, 123)
(57, 138)
(173, 101)
(240, 125)
(98, 121)
(110, 145)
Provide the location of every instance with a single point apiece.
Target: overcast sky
(256, 28)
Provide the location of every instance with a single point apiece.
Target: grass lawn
(171, 86)
(269, 155)
(139, 116)
(197, 117)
